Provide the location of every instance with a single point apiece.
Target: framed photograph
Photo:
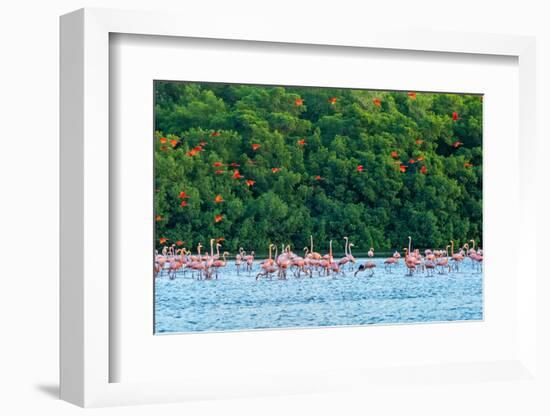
(286, 213)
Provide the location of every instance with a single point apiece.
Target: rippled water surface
(239, 302)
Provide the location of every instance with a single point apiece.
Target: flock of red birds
(235, 174)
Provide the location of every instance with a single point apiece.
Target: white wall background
(29, 204)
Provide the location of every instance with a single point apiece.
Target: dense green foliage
(318, 145)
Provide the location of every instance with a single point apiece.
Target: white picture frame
(85, 341)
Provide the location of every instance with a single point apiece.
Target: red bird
(217, 164)
(163, 240)
(163, 140)
(394, 154)
(203, 144)
(250, 182)
(215, 134)
(423, 169)
(455, 116)
(377, 102)
(255, 146)
(298, 102)
(219, 172)
(183, 203)
(275, 170)
(173, 142)
(218, 199)
(403, 168)
(237, 175)
(420, 158)
(360, 168)
(301, 142)
(318, 178)
(332, 100)
(163, 148)
(419, 141)
(183, 195)
(158, 218)
(218, 218)
(192, 152)
(411, 161)
(457, 144)
(179, 243)
(468, 165)
(234, 165)
(412, 95)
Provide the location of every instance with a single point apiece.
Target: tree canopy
(253, 165)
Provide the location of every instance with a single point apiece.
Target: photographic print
(295, 207)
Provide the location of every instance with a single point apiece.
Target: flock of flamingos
(172, 261)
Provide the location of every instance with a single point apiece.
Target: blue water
(239, 302)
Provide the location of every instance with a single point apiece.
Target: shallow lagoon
(239, 302)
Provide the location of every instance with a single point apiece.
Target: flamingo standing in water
(344, 260)
(443, 263)
(369, 265)
(239, 258)
(175, 265)
(312, 254)
(455, 257)
(218, 264)
(268, 266)
(389, 263)
(197, 263)
(250, 261)
(352, 260)
(283, 261)
(210, 260)
(410, 259)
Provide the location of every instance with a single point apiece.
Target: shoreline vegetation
(250, 165)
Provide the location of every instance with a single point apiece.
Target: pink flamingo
(352, 260)
(369, 265)
(312, 254)
(389, 263)
(410, 260)
(269, 261)
(250, 261)
(455, 257)
(218, 264)
(239, 258)
(443, 263)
